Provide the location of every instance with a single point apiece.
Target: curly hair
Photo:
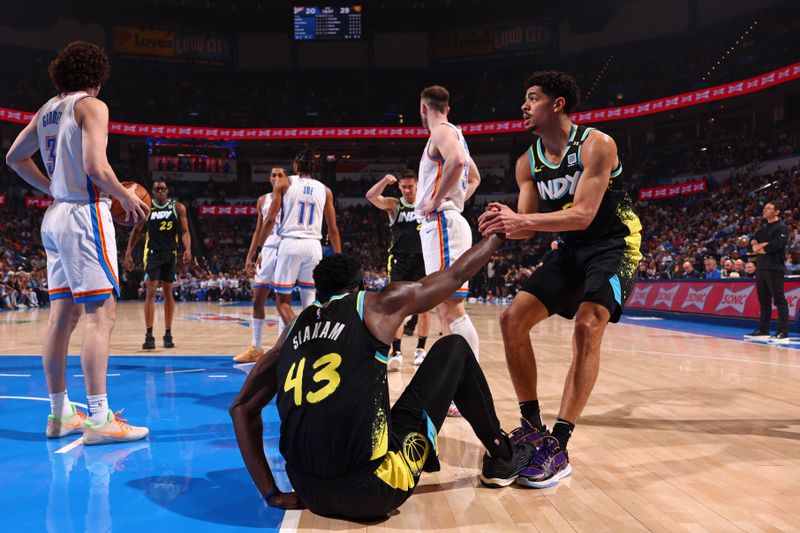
(556, 84)
(306, 162)
(80, 65)
(335, 274)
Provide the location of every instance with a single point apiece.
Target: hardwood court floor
(682, 432)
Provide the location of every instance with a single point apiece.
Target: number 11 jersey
(301, 209)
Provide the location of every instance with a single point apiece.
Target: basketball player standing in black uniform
(167, 218)
(347, 453)
(405, 254)
(570, 182)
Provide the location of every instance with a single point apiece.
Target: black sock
(149, 332)
(421, 342)
(562, 431)
(168, 332)
(530, 412)
(396, 345)
(502, 448)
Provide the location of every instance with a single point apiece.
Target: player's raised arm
(384, 311)
(280, 188)
(330, 219)
(258, 390)
(376, 197)
(20, 157)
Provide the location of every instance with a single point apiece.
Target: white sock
(60, 406)
(463, 326)
(307, 297)
(258, 327)
(281, 326)
(98, 408)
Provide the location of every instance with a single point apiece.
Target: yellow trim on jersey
(395, 472)
(633, 241)
(389, 266)
(146, 242)
(544, 160)
(380, 434)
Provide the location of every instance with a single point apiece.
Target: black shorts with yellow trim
(160, 265)
(406, 267)
(601, 272)
(387, 482)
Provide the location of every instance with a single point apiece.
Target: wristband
(270, 494)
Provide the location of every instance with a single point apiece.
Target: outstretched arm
(20, 157)
(330, 219)
(258, 390)
(385, 311)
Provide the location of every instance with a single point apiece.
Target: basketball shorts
(266, 271)
(81, 248)
(445, 238)
(160, 265)
(601, 272)
(295, 264)
(406, 267)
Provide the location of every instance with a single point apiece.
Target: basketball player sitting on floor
(347, 453)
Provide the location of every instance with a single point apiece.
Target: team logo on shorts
(415, 451)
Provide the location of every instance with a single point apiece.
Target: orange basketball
(117, 213)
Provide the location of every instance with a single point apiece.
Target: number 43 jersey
(333, 399)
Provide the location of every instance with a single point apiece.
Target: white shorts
(445, 238)
(263, 278)
(81, 247)
(296, 261)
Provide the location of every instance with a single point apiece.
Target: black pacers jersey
(333, 399)
(162, 227)
(405, 231)
(556, 185)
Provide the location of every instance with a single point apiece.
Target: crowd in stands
(487, 90)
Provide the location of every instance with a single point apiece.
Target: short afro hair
(335, 274)
(80, 65)
(556, 84)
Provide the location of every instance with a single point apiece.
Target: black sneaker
(498, 472)
(149, 343)
(781, 335)
(168, 341)
(758, 333)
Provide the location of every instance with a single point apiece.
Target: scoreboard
(312, 23)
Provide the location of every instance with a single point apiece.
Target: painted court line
(291, 519)
(15, 375)
(71, 446)
(218, 375)
(82, 405)
(184, 371)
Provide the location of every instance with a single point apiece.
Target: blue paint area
(187, 475)
(721, 331)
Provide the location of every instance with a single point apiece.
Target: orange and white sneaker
(61, 427)
(251, 355)
(115, 429)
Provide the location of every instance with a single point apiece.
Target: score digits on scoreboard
(312, 23)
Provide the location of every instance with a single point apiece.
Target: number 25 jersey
(301, 208)
(333, 397)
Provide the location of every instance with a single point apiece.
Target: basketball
(117, 213)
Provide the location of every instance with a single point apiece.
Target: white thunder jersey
(303, 202)
(61, 146)
(274, 238)
(430, 174)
